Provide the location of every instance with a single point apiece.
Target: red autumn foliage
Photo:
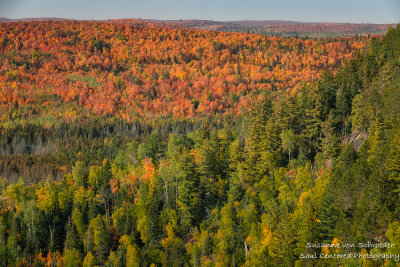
(135, 68)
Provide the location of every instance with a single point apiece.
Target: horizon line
(194, 19)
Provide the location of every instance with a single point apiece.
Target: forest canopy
(312, 158)
(135, 68)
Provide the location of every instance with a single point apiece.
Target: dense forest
(293, 150)
(92, 87)
(285, 28)
(133, 68)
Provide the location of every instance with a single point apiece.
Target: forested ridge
(279, 28)
(133, 68)
(285, 28)
(318, 163)
(81, 90)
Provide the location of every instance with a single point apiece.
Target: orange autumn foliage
(149, 169)
(114, 185)
(134, 68)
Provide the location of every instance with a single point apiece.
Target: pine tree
(101, 239)
(330, 142)
(188, 190)
(327, 219)
(72, 239)
(79, 173)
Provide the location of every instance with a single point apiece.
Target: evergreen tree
(79, 173)
(101, 239)
(72, 239)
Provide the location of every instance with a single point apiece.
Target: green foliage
(72, 258)
(72, 239)
(101, 239)
(287, 137)
(148, 149)
(322, 166)
(89, 260)
(79, 173)
(90, 81)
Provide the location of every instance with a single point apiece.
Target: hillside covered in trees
(134, 68)
(304, 149)
(73, 90)
(285, 28)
